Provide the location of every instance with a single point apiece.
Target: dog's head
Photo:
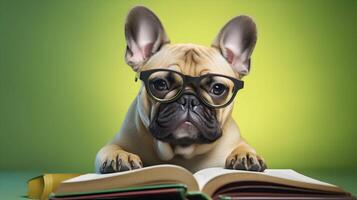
(182, 104)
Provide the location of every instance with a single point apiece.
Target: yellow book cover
(41, 186)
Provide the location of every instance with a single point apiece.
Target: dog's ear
(236, 42)
(144, 35)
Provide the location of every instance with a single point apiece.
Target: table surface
(13, 184)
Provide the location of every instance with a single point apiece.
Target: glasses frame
(195, 81)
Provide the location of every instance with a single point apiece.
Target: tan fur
(193, 60)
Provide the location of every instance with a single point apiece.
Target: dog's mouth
(184, 135)
(184, 124)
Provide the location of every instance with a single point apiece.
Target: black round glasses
(214, 90)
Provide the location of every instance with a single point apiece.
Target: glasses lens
(165, 85)
(216, 90)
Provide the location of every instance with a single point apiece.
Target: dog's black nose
(189, 100)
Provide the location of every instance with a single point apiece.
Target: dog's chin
(183, 139)
(185, 134)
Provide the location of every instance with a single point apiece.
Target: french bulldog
(182, 113)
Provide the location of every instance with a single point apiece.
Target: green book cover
(128, 189)
(197, 196)
(181, 192)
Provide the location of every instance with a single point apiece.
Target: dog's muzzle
(185, 122)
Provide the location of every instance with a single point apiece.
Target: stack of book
(174, 182)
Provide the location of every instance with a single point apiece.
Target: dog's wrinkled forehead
(190, 59)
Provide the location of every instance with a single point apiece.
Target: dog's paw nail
(125, 168)
(232, 163)
(262, 164)
(135, 162)
(107, 168)
(135, 165)
(254, 167)
(103, 165)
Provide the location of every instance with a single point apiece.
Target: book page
(293, 175)
(93, 176)
(152, 175)
(205, 175)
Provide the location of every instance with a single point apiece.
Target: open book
(216, 183)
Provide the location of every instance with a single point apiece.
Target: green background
(65, 87)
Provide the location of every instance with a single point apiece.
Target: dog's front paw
(120, 160)
(245, 160)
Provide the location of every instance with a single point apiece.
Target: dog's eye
(160, 84)
(218, 89)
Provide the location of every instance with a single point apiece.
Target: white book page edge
(93, 176)
(205, 175)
